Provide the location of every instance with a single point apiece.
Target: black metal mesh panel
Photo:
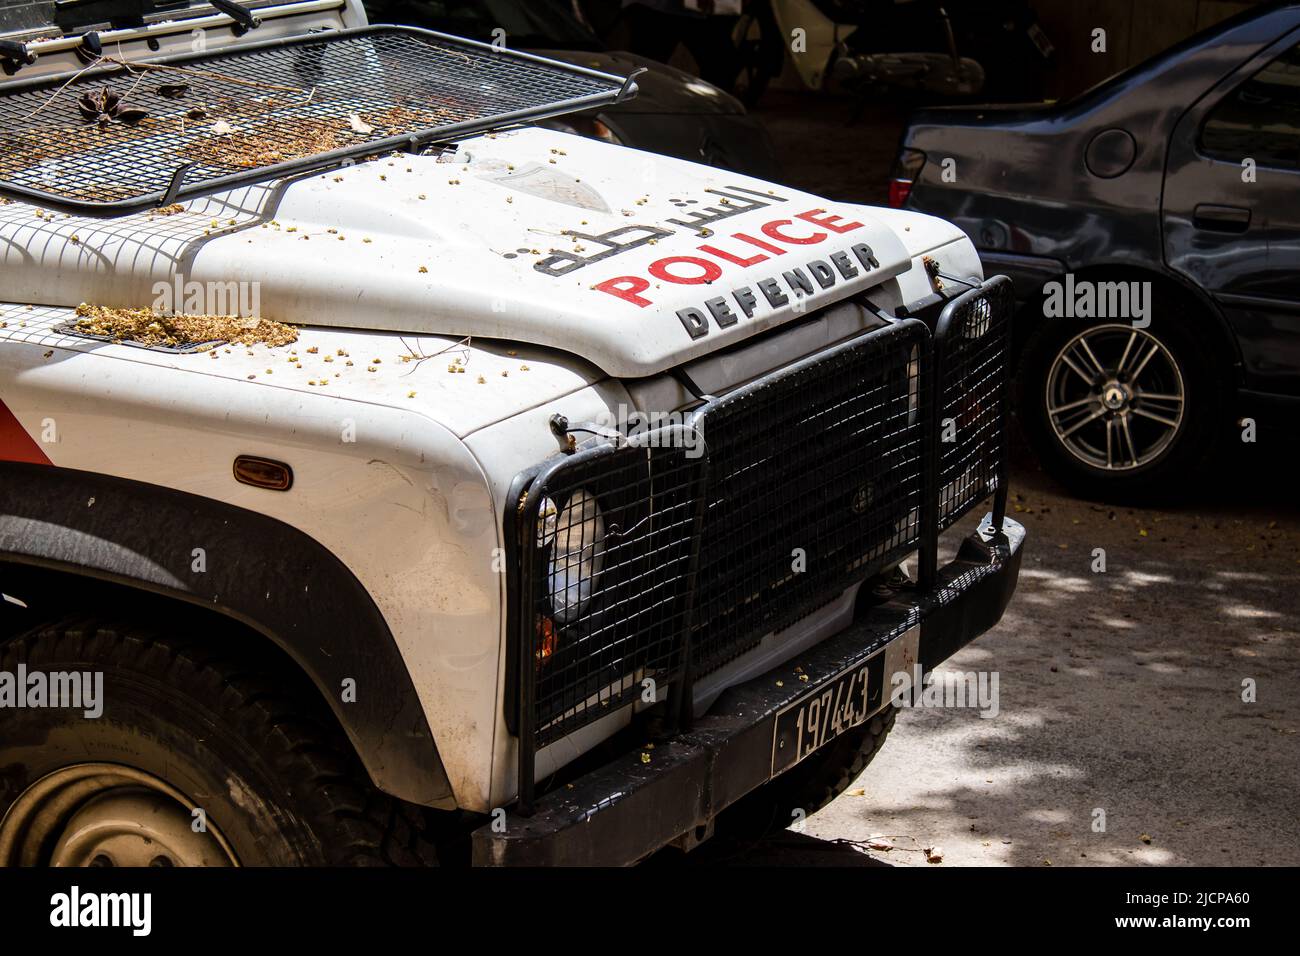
(825, 458)
(284, 104)
(607, 584)
(972, 353)
(813, 478)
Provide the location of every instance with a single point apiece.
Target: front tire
(196, 760)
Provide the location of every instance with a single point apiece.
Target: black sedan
(1152, 227)
(675, 113)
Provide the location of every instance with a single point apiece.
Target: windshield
(28, 16)
(541, 24)
(24, 15)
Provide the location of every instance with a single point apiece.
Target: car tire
(809, 785)
(183, 730)
(1154, 443)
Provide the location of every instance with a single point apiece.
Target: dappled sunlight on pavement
(1120, 692)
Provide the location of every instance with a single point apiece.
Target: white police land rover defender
(418, 482)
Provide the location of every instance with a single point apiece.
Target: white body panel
(413, 244)
(401, 467)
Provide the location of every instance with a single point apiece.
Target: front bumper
(628, 809)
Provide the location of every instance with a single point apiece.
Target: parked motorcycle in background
(962, 49)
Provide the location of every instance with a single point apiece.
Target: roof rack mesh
(121, 137)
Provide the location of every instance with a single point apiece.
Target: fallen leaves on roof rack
(148, 327)
(118, 135)
(167, 91)
(129, 65)
(105, 106)
(276, 139)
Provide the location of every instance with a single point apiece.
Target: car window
(1260, 119)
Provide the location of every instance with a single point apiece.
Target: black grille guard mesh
(640, 567)
(261, 111)
(972, 351)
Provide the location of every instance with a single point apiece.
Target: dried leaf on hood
(148, 327)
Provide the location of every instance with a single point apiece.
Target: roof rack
(121, 137)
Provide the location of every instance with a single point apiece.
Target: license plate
(845, 702)
(819, 717)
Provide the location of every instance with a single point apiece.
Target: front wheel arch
(284, 586)
(1196, 304)
(204, 751)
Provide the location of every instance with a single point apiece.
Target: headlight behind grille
(577, 555)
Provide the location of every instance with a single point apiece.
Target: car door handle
(1221, 218)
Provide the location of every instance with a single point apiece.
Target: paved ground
(1119, 691)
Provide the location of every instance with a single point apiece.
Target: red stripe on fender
(15, 443)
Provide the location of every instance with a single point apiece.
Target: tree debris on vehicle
(147, 327)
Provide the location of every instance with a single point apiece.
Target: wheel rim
(1115, 397)
(98, 814)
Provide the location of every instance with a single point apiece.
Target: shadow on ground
(1120, 691)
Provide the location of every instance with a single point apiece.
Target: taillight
(907, 168)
